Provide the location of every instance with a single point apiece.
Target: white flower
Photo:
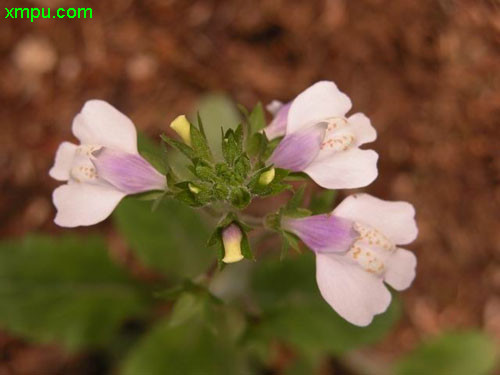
(103, 169)
(321, 141)
(351, 268)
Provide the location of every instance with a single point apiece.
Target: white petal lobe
(401, 269)
(99, 123)
(63, 162)
(318, 102)
(396, 220)
(356, 295)
(362, 127)
(348, 169)
(84, 204)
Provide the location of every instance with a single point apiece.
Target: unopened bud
(267, 177)
(194, 189)
(183, 128)
(231, 238)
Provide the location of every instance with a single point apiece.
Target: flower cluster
(356, 245)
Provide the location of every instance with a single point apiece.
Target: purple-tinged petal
(322, 233)
(296, 151)
(277, 127)
(129, 173)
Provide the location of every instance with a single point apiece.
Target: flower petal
(296, 151)
(64, 159)
(318, 102)
(130, 173)
(356, 295)
(396, 220)
(362, 128)
(400, 269)
(84, 204)
(99, 123)
(231, 239)
(274, 107)
(348, 169)
(322, 233)
(277, 127)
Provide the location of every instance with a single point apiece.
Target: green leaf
(199, 144)
(458, 353)
(216, 110)
(257, 144)
(179, 146)
(296, 201)
(187, 306)
(240, 198)
(192, 348)
(246, 251)
(291, 240)
(294, 311)
(65, 290)
(242, 167)
(322, 202)
(232, 147)
(153, 153)
(170, 240)
(257, 118)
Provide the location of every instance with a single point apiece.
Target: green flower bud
(267, 177)
(194, 189)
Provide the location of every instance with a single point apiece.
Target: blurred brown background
(426, 72)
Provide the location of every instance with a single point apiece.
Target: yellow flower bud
(194, 189)
(267, 177)
(183, 128)
(231, 238)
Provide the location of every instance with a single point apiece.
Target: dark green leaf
(294, 311)
(460, 353)
(65, 290)
(217, 111)
(322, 202)
(180, 146)
(240, 198)
(171, 240)
(246, 251)
(153, 153)
(257, 144)
(186, 307)
(192, 348)
(242, 167)
(257, 118)
(291, 240)
(199, 144)
(296, 201)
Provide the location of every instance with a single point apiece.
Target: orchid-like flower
(357, 250)
(321, 141)
(102, 170)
